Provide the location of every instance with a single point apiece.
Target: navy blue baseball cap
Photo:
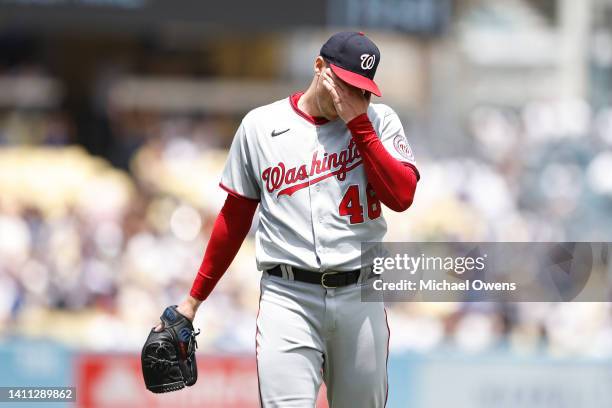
(353, 57)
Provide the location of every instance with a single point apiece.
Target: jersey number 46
(350, 205)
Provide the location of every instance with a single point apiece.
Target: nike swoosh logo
(276, 133)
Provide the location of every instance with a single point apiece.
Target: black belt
(328, 280)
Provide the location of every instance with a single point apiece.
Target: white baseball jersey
(316, 207)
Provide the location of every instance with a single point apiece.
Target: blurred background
(115, 120)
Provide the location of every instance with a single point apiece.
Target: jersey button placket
(312, 190)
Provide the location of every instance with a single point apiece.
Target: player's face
(324, 99)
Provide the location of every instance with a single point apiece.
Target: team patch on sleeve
(403, 148)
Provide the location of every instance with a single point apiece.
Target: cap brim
(356, 80)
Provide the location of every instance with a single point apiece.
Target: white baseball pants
(307, 334)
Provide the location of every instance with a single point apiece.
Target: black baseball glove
(168, 356)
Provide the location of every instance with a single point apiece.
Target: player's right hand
(187, 308)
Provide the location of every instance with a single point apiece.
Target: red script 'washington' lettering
(288, 181)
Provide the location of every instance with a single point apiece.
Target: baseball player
(318, 164)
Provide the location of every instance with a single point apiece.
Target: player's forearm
(393, 181)
(189, 307)
(229, 231)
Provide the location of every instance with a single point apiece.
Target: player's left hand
(349, 101)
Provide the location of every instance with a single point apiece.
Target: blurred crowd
(90, 253)
(105, 209)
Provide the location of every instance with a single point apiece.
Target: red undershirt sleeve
(229, 231)
(393, 181)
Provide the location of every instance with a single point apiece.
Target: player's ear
(319, 65)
